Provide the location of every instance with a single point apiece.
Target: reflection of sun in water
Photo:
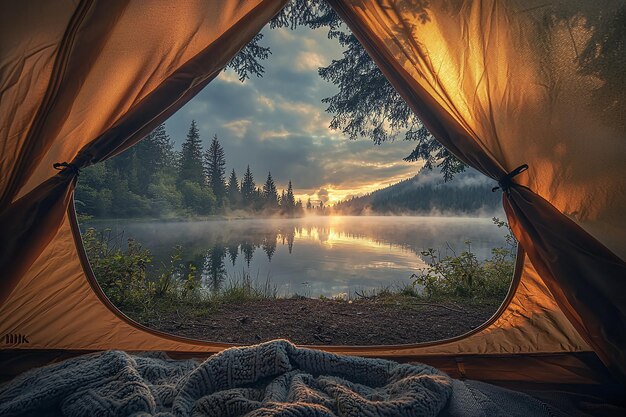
(332, 235)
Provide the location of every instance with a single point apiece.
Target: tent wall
(502, 84)
(30, 38)
(118, 70)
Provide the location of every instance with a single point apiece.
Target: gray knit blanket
(270, 379)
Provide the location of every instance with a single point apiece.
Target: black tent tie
(65, 166)
(505, 182)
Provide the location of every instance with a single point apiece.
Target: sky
(278, 123)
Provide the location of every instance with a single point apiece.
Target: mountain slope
(426, 193)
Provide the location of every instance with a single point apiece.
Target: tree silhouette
(214, 163)
(269, 245)
(215, 269)
(270, 194)
(232, 190)
(233, 251)
(247, 249)
(248, 188)
(155, 151)
(291, 235)
(291, 201)
(190, 165)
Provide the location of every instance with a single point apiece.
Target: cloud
(278, 123)
(309, 61)
(238, 127)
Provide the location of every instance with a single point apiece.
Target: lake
(310, 256)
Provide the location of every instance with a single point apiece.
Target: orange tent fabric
(136, 62)
(499, 83)
(504, 84)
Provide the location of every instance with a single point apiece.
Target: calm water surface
(309, 256)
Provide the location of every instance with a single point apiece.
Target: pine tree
(159, 147)
(258, 200)
(299, 208)
(248, 189)
(190, 165)
(155, 151)
(232, 190)
(214, 163)
(270, 194)
(290, 204)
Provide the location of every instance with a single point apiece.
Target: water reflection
(309, 256)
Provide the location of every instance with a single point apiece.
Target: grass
(407, 296)
(241, 288)
(200, 303)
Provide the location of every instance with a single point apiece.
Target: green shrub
(464, 276)
(120, 273)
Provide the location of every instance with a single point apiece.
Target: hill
(427, 193)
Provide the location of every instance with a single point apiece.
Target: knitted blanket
(270, 379)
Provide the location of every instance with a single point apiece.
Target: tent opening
(500, 86)
(251, 215)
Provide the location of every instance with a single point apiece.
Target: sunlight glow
(337, 194)
(333, 236)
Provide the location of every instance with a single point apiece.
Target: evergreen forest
(154, 180)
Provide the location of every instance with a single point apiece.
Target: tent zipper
(58, 71)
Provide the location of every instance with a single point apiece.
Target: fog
(311, 256)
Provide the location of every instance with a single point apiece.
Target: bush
(121, 274)
(197, 198)
(464, 276)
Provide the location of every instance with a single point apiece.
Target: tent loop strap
(505, 182)
(65, 166)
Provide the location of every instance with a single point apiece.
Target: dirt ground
(327, 322)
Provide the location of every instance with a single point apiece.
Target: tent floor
(577, 399)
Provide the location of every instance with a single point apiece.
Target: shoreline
(277, 217)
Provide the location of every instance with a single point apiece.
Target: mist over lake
(309, 256)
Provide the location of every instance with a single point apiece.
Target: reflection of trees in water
(233, 251)
(215, 271)
(247, 249)
(288, 236)
(269, 245)
(226, 244)
(323, 233)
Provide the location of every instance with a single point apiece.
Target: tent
(500, 84)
